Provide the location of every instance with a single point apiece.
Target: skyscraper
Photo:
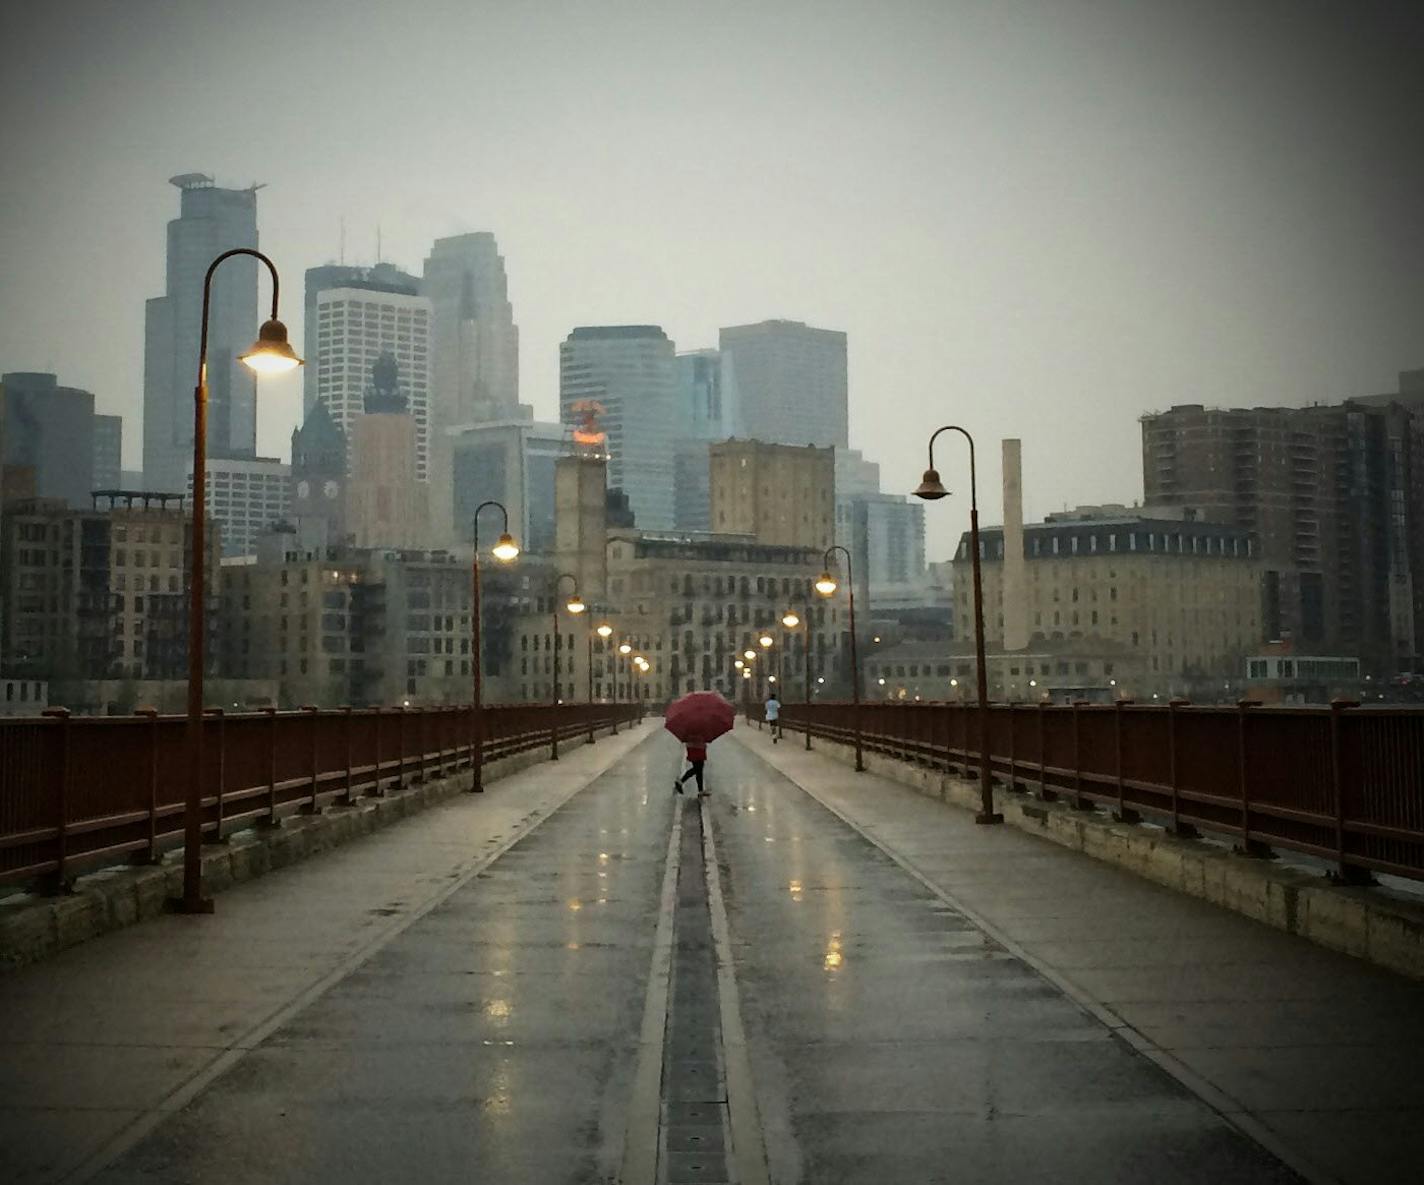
(626, 377)
(705, 419)
(108, 452)
(474, 353)
(786, 382)
(210, 221)
(48, 431)
(355, 326)
(379, 277)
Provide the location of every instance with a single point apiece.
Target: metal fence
(77, 793)
(1342, 783)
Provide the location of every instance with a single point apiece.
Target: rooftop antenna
(341, 241)
(378, 242)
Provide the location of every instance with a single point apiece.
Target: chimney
(1014, 583)
(581, 523)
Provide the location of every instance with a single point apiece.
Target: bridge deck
(814, 976)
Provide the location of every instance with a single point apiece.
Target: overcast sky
(1033, 219)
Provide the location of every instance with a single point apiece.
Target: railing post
(221, 718)
(1248, 847)
(1013, 747)
(422, 742)
(1177, 827)
(1079, 802)
(271, 820)
(349, 797)
(151, 715)
(400, 746)
(58, 881)
(1044, 793)
(1345, 873)
(1124, 813)
(311, 806)
(379, 789)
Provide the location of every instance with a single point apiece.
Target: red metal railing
(77, 792)
(1342, 783)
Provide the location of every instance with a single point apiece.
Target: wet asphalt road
(496, 1038)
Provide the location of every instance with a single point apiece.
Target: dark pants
(695, 770)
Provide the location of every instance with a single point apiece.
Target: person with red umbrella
(698, 719)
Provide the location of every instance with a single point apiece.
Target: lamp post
(270, 354)
(826, 586)
(604, 631)
(790, 620)
(575, 606)
(505, 551)
(932, 489)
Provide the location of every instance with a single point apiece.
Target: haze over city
(1039, 220)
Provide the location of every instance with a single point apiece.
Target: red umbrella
(699, 717)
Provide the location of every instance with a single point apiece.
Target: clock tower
(319, 480)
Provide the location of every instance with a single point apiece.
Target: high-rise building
(474, 373)
(247, 496)
(787, 382)
(512, 462)
(108, 452)
(355, 328)
(49, 430)
(781, 495)
(706, 418)
(380, 277)
(210, 221)
(1333, 493)
(625, 378)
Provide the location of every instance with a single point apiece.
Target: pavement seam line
(642, 1137)
(748, 1142)
(181, 1095)
(1229, 1109)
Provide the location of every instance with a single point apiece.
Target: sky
(1032, 219)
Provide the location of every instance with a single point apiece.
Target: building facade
(98, 593)
(211, 220)
(787, 382)
(625, 378)
(777, 494)
(1334, 496)
(108, 452)
(356, 328)
(246, 496)
(1182, 597)
(509, 461)
(319, 487)
(50, 431)
(387, 500)
(379, 277)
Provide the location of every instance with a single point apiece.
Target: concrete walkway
(810, 977)
(101, 1043)
(1316, 1054)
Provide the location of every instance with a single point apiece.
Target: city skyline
(1044, 228)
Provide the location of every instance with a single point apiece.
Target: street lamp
(270, 354)
(505, 551)
(575, 606)
(826, 585)
(932, 489)
(791, 620)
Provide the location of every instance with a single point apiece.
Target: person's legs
(697, 769)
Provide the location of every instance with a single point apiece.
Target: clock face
(303, 489)
(331, 489)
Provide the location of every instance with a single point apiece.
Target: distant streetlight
(749, 655)
(932, 489)
(575, 606)
(270, 354)
(765, 640)
(826, 585)
(739, 664)
(505, 551)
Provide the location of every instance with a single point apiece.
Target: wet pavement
(631, 986)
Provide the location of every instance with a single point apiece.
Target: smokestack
(1015, 587)
(581, 521)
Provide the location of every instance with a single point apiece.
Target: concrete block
(120, 900)
(1396, 941)
(1335, 918)
(216, 869)
(250, 858)
(150, 886)
(27, 932)
(77, 918)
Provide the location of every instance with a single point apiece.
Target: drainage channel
(695, 1119)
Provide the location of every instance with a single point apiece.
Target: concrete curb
(1366, 923)
(33, 928)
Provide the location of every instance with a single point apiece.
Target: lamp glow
(624, 648)
(790, 620)
(826, 585)
(765, 639)
(749, 654)
(506, 549)
(575, 604)
(604, 630)
(271, 353)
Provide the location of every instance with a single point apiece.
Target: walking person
(773, 716)
(697, 759)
